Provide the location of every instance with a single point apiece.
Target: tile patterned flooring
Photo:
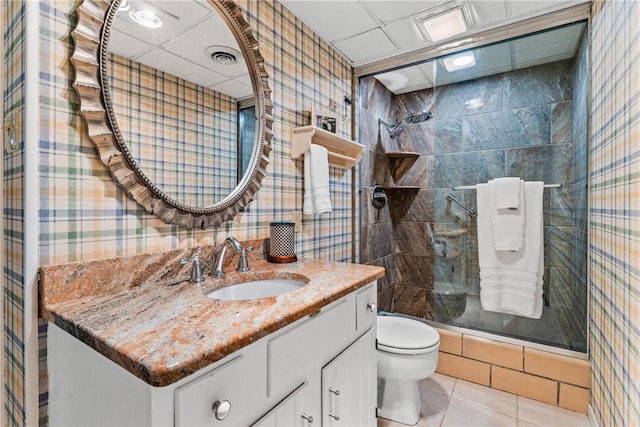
(448, 402)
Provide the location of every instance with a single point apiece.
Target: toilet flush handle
(372, 307)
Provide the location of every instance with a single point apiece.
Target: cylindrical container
(282, 242)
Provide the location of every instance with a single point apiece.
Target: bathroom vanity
(160, 354)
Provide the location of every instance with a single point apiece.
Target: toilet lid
(405, 334)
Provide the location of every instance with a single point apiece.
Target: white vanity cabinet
(319, 370)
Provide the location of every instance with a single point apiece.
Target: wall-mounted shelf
(402, 155)
(401, 161)
(343, 153)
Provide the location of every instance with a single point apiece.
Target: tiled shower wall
(84, 215)
(429, 245)
(614, 210)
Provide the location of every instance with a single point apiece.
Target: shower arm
(394, 130)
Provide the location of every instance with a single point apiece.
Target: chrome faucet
(217, 266)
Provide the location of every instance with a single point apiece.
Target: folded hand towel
(316, 181)
(507, 224)
(508, 192)
(511, 282)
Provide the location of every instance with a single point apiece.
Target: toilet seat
(405, 336)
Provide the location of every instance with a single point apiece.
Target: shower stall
(519, 110)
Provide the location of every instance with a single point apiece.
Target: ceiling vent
(223, 55)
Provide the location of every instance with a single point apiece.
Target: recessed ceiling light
(146, 18)
(445, 21)
(124, 6)
(459, 61)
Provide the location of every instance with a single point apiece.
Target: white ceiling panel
(236, 88)
(488, 12)
(490, 60)
(391, 10)
(192, 43)
(127, 46)
(367, 45)
(332, 19)
(561, 43)
(525, 7)
(405, 34)
(408, 79)
(167, 62)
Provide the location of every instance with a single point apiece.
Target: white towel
(508, 192)
(511, 282)
(507, 224)
(316, 181)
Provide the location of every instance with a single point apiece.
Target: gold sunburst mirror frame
(91, 38)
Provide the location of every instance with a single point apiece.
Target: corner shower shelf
(401, 161)
(343, 153)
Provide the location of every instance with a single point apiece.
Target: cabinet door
(290, 412)
(349, 385)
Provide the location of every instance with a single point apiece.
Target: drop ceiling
(178, 47)
(523, 52)
(367, 31)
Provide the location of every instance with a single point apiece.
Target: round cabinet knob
(372, 307)
(221, 409)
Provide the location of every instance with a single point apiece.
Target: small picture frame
(327, 120)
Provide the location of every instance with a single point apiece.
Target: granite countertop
(141, 313)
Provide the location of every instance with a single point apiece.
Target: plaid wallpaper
(84, 215)
(13, 13)
(169, 124)
(615, 213)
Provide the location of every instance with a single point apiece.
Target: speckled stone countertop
(141, 313)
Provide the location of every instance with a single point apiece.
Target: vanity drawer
(366, 307)
(226, 384)
(315, 341)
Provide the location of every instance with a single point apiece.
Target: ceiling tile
(490, 60)
(165, 61)
(560, 43)
(391, 10)
(192, 43)
(332, 19)
(367, 45)
(487, 12)
(407, 79)
(236, 88)
(125, 45)
(405, 34)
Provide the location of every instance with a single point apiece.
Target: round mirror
(186, 124)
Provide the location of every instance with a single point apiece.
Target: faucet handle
(243, 263)
(196, 270)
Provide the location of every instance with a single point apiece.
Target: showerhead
(394, 130)
(420, 117)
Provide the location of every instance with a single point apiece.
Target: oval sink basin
(256, 289)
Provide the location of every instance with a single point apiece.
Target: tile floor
(449, 402)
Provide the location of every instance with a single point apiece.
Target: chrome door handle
(334, 404)
(372, 307)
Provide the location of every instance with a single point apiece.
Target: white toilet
(407, 353)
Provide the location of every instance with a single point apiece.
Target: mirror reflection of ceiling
(366, 31)
(182, 46)
(537, 49)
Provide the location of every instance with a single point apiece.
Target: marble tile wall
(525, 126)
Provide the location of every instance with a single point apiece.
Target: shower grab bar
(473, 187)
(471, 212)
